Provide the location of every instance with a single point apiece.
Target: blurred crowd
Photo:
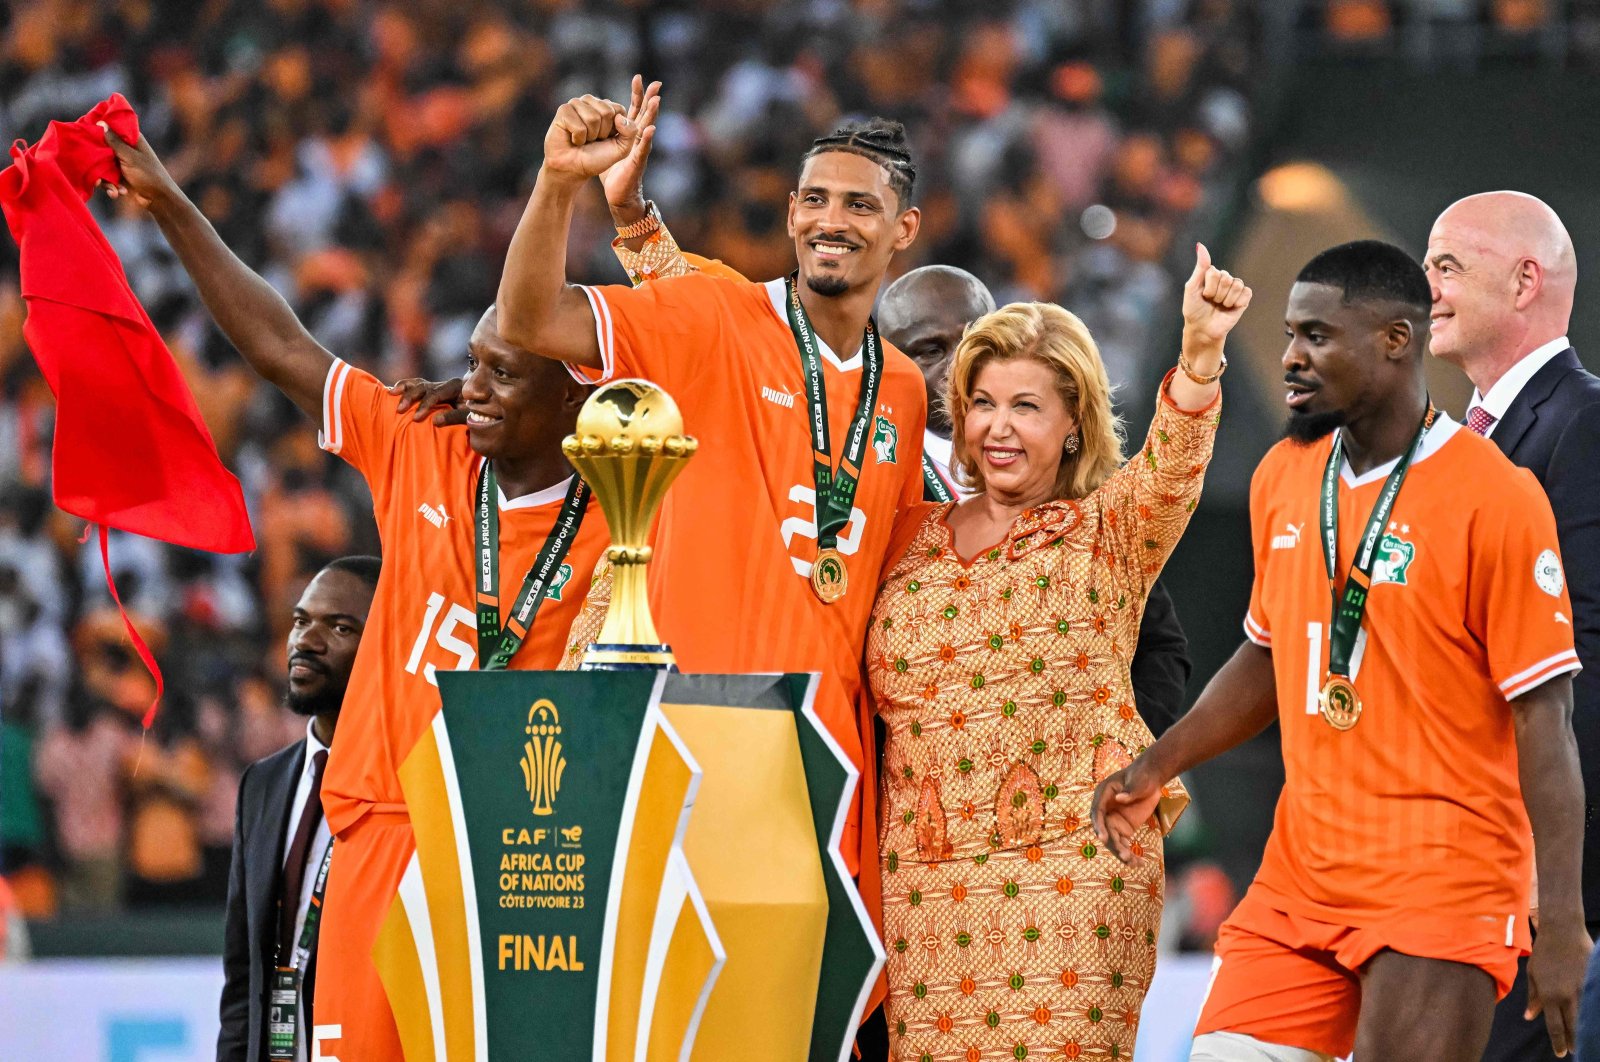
(371, 159)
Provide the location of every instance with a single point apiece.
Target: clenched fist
(590, 135)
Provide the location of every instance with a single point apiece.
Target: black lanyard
(934, 488)
(1350, 607)
(836, 491)
(496, 644)
(288, 975)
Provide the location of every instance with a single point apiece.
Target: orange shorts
(369, 859)
(1291, 980)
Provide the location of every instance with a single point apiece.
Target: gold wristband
(644, 226)
(1183, 363)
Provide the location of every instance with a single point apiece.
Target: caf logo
(542, 761)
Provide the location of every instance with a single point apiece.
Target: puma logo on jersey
(437, 517)
(781, 398)
(1290, 540)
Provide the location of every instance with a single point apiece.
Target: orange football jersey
(1416, 812)
(423, 615)
(737, 535)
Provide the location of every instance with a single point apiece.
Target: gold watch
(644, 226)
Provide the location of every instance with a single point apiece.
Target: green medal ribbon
(836, 491)
(934, 488)
(496, 644)
(1351, 607)
(284, 1013)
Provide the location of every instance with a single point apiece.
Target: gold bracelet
(644, 226)
(1183, 363)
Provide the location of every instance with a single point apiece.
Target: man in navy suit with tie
(281, 844)
(1504, 275)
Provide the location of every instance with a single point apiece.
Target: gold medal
(829, 577)
(1341, 704)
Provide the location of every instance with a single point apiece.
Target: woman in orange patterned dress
(998, 657)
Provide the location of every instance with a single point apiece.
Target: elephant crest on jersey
(885, 440)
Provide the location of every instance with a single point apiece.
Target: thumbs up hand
(1213, 301)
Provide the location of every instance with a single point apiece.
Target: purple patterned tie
(1480, 420)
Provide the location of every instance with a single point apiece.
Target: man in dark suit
(1504, 276)
(280, 843)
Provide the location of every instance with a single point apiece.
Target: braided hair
(879, 139)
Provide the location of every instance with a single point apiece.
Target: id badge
(283, 1015)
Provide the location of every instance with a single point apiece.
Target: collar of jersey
(555, 493)
(779, 295)
(1443, 428)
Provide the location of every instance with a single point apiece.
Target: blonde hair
(1045, 333)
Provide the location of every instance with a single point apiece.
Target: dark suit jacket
(266, 794)
(1160, 666)
(1552, 428)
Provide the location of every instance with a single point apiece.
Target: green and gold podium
(626, 863)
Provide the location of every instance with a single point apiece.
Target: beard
(324, 699)
(1307, 428)
(827, 285)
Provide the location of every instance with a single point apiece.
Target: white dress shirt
(1506, 389)
(939, 451)
(319, 847)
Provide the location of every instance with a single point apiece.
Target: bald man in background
(1504, 275)
(924, 313)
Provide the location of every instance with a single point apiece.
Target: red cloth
(131, 451)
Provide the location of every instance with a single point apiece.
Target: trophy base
(602, 656)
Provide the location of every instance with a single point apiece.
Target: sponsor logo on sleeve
(1547, 574)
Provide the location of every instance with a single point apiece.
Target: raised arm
(538, 309)
(1237, 704)
(250, 313)
(623, 181)
(1552, 790)
(1155, 492)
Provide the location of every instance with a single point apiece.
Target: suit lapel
(1524, 409)
(267, 844)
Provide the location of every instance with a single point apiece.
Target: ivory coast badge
(829, 577)
(1341, 704)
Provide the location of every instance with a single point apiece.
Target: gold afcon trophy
(629, 447)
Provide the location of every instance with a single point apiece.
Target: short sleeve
(359, 421)
(1517, 604)
(668, 331)
(1256, 626)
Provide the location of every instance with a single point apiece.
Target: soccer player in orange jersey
(1420, 670)
(429, 610)
(770, 545)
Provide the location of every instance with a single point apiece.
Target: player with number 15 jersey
(424, 482)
